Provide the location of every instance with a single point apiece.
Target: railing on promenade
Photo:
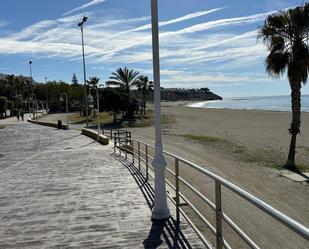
(111, 133)
(142, 154)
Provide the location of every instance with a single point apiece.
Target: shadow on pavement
(169, 228)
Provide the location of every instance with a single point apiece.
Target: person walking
(22, 115)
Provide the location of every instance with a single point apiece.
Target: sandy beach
(246, 147)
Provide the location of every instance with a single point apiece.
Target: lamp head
(85, 18)
(30, 62)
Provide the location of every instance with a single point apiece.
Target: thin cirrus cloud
(48, 32)
(179, 19)
(87, 5)
(169, 35)
(219, 23)
(60, 38)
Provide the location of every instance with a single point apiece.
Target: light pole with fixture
(81, 25)
(90, 98)
(66, 106)
(46, 95)
(31, 83)
(160, 209)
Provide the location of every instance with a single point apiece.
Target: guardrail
(116, 132)
(140, 151)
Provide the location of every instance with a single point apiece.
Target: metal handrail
(219, 182)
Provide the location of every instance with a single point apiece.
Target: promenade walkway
(59, 189)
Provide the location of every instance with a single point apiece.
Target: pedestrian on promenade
(22, 115)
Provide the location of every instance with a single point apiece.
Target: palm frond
(276, 63)
(123, 77)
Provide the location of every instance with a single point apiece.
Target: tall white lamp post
(160, 209)
(31, 85)
(98, 106)
(66, 106)
(81, 25)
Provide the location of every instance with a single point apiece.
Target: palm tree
(143, 86)
(93, 82)
(286, 36)
(123, 78)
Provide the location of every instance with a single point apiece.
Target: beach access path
(60, 189)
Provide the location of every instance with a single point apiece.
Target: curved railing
(140, 152)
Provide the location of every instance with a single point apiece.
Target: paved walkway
(59, 189)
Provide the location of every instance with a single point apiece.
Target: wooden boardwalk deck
(59, 189)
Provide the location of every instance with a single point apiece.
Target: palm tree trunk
(295, 126)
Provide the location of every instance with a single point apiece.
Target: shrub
(3, 105)
(10, 105)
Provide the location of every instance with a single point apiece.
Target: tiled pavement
(59, 189)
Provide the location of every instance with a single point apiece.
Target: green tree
(124, 78)
(144, 86)
(10, 105)
(114, 100)
(3, 105)
(286, 36)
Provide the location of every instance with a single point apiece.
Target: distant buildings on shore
(179, 94)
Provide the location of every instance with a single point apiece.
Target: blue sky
(202, 42)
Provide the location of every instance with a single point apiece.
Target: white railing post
(177, 190)
(114, 146)
(125, 148)
(146, 151)
(139, 155)
(218, 215)
(133, 155)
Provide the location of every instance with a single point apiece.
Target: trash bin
(59, 124)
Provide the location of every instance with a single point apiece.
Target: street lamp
(66, 106)
(90, 98)
(46, 92)
(32, 95)
(81, 25)
(160, 209)
(31, 85)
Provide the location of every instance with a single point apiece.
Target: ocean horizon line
(280, 103)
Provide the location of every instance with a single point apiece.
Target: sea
(271, 103)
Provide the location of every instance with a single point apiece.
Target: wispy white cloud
(185, 79)
(87, 5)
(219, 23)
(180, 51)
(177, 20)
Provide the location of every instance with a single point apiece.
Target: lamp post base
(160, 209)
(160, 214)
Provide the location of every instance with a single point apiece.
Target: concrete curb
(45, 123)
(94, 135)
